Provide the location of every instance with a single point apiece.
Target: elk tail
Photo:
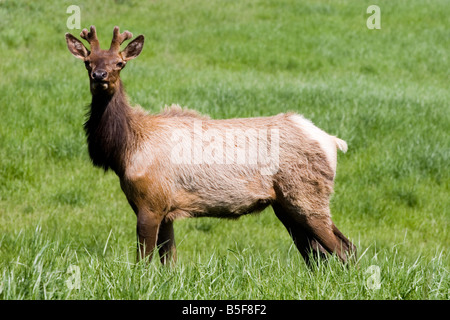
(341, 144)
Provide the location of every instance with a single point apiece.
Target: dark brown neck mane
(108, 130)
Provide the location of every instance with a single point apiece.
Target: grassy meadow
(66, 229)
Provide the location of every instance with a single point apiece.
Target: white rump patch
(328, 143)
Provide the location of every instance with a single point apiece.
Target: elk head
(104, 66)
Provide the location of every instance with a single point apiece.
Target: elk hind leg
(329, 236)
(307, 245)
(315, 232)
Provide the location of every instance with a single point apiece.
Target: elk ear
(76, 47)
(133, 49)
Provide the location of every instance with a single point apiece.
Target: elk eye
(87, 64)
(120, 64)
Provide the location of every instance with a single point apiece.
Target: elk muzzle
(99, 79)
(99, 75)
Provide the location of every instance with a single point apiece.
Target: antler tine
(119, 38)
(91, 37)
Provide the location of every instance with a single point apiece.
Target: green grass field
(66, 229)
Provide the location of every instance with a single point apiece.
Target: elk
(161, 184)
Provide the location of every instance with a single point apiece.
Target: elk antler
(91, 37)
(119, 38)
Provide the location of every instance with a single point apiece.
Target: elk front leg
(166, 243)
(147, 232)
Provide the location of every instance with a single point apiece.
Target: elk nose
(99, 74)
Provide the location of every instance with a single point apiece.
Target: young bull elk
(180, 164)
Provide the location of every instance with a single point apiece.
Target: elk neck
(108, 129)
